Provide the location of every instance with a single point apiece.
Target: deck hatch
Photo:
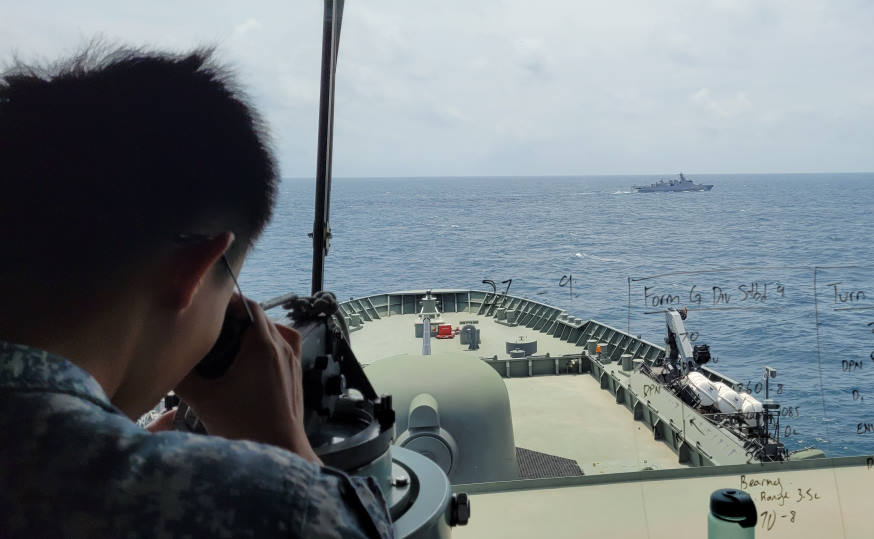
(537, 465)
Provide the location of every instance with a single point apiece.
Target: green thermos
(732, 515)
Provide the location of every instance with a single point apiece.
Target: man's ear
(191, 265)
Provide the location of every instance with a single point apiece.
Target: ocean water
(776, 269)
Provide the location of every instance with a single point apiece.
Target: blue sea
(776, 269)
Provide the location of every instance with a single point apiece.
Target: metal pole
(628, 322)
(426, 335)
(321, 225)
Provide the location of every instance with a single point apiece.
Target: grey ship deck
(568, 415)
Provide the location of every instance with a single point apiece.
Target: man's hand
(260, 398)
(163, 422)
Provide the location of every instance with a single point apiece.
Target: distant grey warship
(671, 186)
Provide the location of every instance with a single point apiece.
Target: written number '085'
(790, 411)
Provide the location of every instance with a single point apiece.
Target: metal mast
(321, 225)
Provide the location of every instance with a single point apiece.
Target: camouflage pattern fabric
(73, 465)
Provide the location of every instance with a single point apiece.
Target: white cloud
(531, 55)
(727, 107)
(246, 27)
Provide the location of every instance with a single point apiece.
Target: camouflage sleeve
(258, 490)
(342, 506)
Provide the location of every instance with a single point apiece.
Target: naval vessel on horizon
(671, 186)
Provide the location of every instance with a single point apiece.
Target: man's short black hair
(107, 155)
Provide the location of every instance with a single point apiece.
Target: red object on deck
(444, 332)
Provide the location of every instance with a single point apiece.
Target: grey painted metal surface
(859, 462)
(473, 434)
(429, 513)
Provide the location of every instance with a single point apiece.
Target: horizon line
(616, 174)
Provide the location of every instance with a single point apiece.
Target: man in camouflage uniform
(106, 161)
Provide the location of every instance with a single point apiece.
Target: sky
(491, 87)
